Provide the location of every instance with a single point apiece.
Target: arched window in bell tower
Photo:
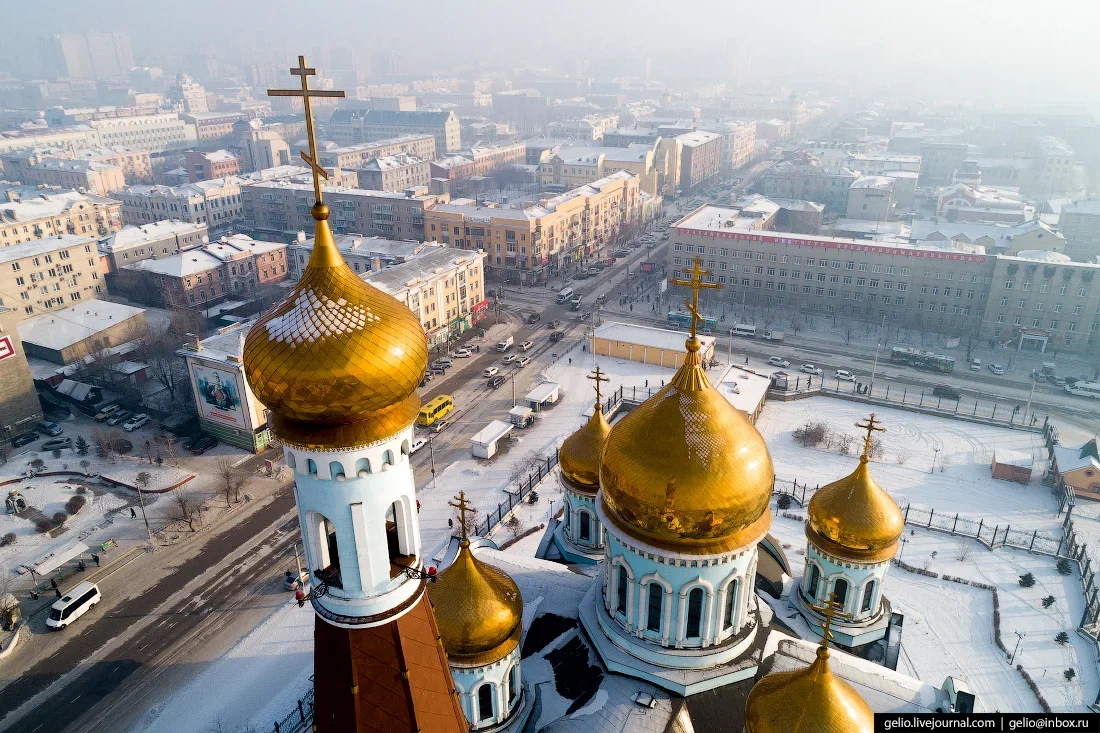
(840, 591)
(586, 526)
(695, 614)
(326, 549)
(815, 581)
(868, 596)
(621, 589)
(485, 702)
(653, 612)
(398, 532)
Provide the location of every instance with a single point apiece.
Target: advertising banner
(219, 396)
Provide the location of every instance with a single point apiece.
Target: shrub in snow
(37, 465)
(784, 501)
(43, 525)
(1069, 674)
(8, 539)
(1034, 688)
(56, 452)
(60, 517)
(81, 446)
(1027, 580)
(74, 504)
(997, 622)
(811, 435)
(1062, 637)
(1064, 567)
(81, 489)
(1048, 601)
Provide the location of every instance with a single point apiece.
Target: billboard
(219, 396)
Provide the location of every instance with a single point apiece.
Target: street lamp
(1019, 637)
(935, 454)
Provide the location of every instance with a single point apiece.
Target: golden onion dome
(579, 455)
(478, 609)
(810, 700)
(336, 352)
(686, 471)
(854, 518)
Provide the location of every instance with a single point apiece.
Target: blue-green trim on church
(251, 442)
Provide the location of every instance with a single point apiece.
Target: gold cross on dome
(597, 378)
(462, 506)
(306, 94)
(696, 284)
(829, 609)
(871, 426)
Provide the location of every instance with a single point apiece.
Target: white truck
(506, 344)
(773, 335)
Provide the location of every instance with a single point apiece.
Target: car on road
(1060, 381)
(779, 361)
(557, 336)
(119, 417)
(1039, 377)
(440, 425)
(584, 316)
(462, 353)
(523, 361)
(526, 345)
(135, 422)
(50, 428)
(976, 365)
(811, 369)
(200, 443)
(622, 252)
(510, 358)
(106, 412)
(418, 443)
(947, 393)
(844, 375)
(21, 440)
(996, 369)
(490, 372)
(57, 444)
(73, 605)
(553, 324)
(534, 318)
(497, 381)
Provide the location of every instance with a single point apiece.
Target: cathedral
(674, 609)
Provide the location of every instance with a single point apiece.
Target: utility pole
(431, 451)
(148, 532)
(729, 358)
(1029, 396)
(874, 367)
(1019, 637)
(513, 388)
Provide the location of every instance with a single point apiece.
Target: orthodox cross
(306, 94)
(829, 609)
(597, 378)
(871, 426)
(462, 506)
(696, 284)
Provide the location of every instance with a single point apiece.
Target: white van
(976, 365)
(565, 294)
(73, 605)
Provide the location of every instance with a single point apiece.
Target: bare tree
(230, 480)
(514, 525)
(184, 509)
(143, 479)
(962, 549)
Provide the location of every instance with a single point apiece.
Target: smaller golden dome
(579, 455)
(854, 518)
(810, 700)
(478, 609)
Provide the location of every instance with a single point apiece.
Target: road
(105, 668)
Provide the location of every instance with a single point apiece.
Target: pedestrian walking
(81, 566)
(53, 583)
(133, 514)
(57, 591)
(95, 559)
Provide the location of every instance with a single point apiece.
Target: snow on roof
(1071, 459)
(219, 156)
(872, 182)
(1043, 255)
(1003, 234)
(392, 162)
(225, 346)
(1087, 206)
(44, 206)
(743, 389)
(657, 338)
(46, 565)
(542, 392)
(1009, 457)
(133, 236)
(36, 247)
(205, 257)
(492, 432)
(128, 367)
(63, 328)
(420, 270)
(357, 244)
(697, 138)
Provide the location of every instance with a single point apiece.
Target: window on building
(653, 614)
(621, 590)
(868, 596)
(694, 624)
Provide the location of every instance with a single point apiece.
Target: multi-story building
(355, 156)
(536, 242)
(480, 160)
(190, 95)
(153, 132)
(589, 128)
(700, 158)
(49, 274)
(882, 164)
(85, 176)
(281, 209)
(136, 164)
(20, 409)
(738, 141)
(940, 160)
(572, 166)
(444, 287)
(160, 239)
(215, 203)
(807, 179)
(978, 203)
(91, 55)
(363, 254)
(209, 126)
(354, 126)
(1054, 167)
(52, 214)
(872, 198)
(394, 173)
(197, 278)
(209, 166)
(72, 136)
(1080, 225)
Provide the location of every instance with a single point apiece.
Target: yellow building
(570, 167)
(63, 213)
(49, 274)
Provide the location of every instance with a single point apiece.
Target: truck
(773, 335)
(505, 344)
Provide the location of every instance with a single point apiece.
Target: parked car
(947, 393)
(534, 318)
(526, 345)
(201, 443)
(1060, 381)
(497, 381)
(440, 425)
(438, 369)
(106, 412)
(779, 361)
(135, 422)
(557, 336)
(418, 443)
(21, 440)
(462, 353)
(622, 252)
(50, 428)
(443, 362)
(996, 369)
(976, 365)
(844, 375)
(119, 417)
(425, 379)
(1039, 377)
(523, 361)
(510, 358)
(57, 444)
(811, 369)
(292, 583)
(490, 372)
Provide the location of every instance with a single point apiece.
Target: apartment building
(214, 203)
(589, 128)
(198, 278)
(444, 287)
(20, 409)
(152, 132)
(1080, 224)
(85, 176)
(394, 173)
(1054, 167)
(939, 161)
(49, 274)
(806, 178)
(70, 136)
(738, 141)
(535, 242)
(135, 243)
(354, 126)
(871, 198)
(363, 254)
(209, 166)
(280, 209)
(210, 126)
(52, 214)
(700, 158)
(355, 156)
(568, 166)
(481, 159)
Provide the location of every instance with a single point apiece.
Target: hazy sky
(1013, 51)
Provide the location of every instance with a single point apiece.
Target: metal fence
(1077, 551)
(538, 471)
(300, 717)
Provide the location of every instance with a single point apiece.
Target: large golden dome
(854, 519)
(336, 351)
(810, 700)
(579, 455)
(686, 471)
(478, 609)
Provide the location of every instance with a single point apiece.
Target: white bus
(744, 329)
(1085, 389)
(565, 295)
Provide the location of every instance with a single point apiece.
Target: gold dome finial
(337, 361)
(579, 455)
(462, 506)
(854, 518)
(808, 700)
